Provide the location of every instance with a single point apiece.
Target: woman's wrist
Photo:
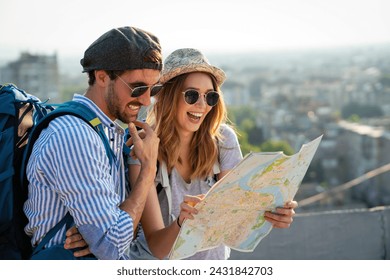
(178, 222)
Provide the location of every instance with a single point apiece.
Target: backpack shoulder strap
(216, 166)
(68, 108)
(162, 183)
(83, 112)
(66, 220)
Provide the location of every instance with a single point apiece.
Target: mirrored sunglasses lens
(138, 91)
(155, 89)
(191, 96)
(212, 98)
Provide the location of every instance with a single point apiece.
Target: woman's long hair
(204, 146)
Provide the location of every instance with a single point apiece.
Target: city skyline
(47, 27)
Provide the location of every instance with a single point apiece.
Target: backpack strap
(216, 170)
(162, 183)
(162, 180)
(66, 220)
(83, 112)
(68, 108)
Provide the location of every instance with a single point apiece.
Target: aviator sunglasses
(191, 96)
(138, 91)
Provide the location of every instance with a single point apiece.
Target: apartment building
(36, 74)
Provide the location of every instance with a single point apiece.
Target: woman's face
(190, 117)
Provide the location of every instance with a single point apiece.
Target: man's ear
(102, 79)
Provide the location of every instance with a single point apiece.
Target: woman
(196, 146)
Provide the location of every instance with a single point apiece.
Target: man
(69, 171)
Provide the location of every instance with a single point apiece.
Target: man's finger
(133, 133)
(143, 125)
(129, 142)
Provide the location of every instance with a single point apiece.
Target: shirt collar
(106, 121)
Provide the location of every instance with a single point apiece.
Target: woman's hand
(75, 240)
(282, 217)
(187, 208)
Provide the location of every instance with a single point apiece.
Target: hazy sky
(68, 27)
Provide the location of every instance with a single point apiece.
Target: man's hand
(75, 240)
(282, 217)
(145, 143)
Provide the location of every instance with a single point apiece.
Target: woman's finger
(192, 200)
(82, 253)
(73, 230)
(75, 244)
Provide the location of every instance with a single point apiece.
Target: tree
(276, 146)
(361, 110)
(246, 147)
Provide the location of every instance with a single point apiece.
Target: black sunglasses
(138, 91)
(191, 96)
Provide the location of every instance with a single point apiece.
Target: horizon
(69, 63)
(212, 26)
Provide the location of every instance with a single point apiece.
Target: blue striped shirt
(69, 171)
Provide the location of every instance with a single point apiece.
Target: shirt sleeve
(229, 149)
(80, 175)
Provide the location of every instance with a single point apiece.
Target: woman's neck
(185, 138)
(184, 166)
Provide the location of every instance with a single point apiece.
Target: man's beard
(114, 106)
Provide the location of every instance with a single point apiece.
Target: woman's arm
(160, 239)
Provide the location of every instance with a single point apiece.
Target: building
(36, 74)
(366, 152)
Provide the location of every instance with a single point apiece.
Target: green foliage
(250, 136)
(246, 147)
(239, 114)
(244, 120)
(354, 118)
(385, 79)
(67, 92)
(361, 110)
(277, 145)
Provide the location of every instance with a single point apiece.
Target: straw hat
(188, 60)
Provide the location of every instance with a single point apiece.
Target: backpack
(22, 118)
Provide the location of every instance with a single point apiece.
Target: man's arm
(73, 164)
(145, 150)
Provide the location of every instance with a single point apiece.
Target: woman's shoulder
(228, 135)
(227, 131)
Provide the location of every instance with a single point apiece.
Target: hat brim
(219, 74)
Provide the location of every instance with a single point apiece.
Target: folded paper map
(232, 212)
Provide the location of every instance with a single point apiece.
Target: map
(232, 212)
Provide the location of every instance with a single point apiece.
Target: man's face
(120, 103)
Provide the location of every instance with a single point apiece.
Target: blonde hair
(204, 146)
